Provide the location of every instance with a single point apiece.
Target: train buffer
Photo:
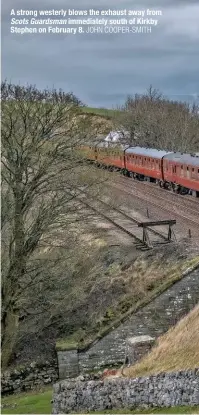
(147, 228)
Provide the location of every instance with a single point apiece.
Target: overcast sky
(102, 69)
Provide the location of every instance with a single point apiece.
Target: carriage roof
(189, 159)
(149, 152)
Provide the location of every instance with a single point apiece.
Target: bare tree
(40, 131)
(154, 121)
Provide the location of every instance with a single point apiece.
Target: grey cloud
(103, 69)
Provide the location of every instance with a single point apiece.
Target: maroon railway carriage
(91, 153)
(88, 151)
(145, 162)
(176, 171)
(111, 155)
(183, 171)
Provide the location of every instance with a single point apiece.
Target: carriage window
(188, 172)
(193, 173)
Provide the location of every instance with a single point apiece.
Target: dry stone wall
(137, 347)
(164, 390)
(68, 362)
(28, 377)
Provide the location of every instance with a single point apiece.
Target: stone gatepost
(137, 347)
(68, 361)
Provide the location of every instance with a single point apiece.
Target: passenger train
(171, 170)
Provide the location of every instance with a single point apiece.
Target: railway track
(151, 189)
(153, 186)
(192, 217)
(122, 221)
(183, 199)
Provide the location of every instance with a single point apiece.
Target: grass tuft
(176, 350)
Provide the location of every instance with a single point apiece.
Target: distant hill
(104, 112)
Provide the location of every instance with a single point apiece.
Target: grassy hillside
(101, 123)
(178, 349)
(104, 112)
